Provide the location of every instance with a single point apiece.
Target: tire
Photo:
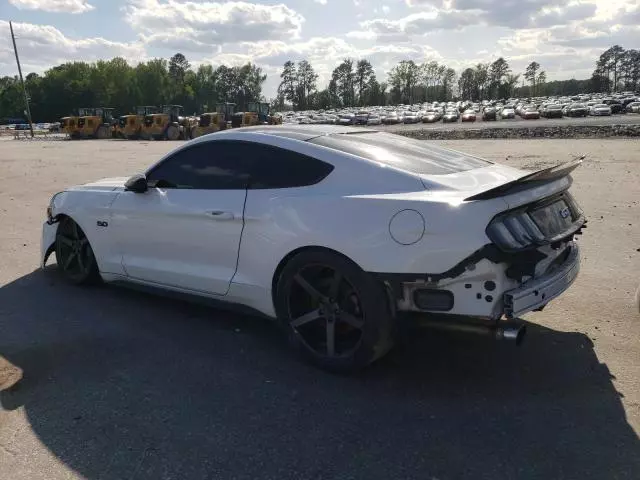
(103, 132)
(74, 254)
(172, 133)
(340, 334)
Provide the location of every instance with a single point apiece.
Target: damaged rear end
(529, 258)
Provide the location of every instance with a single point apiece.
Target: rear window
(416, 156)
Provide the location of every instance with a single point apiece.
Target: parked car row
(470, 111)
(49, 127)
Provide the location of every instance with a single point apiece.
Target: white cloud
(321, 2)
(59, 6)
(324, 54)
(197, 26)
(519, 13)
(416, 24)
(43, 46)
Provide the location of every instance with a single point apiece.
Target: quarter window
(272, 167)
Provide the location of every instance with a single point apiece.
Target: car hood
(105, 184)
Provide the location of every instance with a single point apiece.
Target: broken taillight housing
(536, 224)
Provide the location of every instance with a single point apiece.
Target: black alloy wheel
(325, 311)
(335, 314)
(74, 254)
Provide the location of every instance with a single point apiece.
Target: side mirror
(137, 184)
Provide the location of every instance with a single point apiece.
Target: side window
(273, 167)
(204, 166)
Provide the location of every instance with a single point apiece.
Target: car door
(184, 231)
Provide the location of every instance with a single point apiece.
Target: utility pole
(24, 90)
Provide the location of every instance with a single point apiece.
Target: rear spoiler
(544, 175)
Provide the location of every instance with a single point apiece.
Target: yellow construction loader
(213, 121)
(257, 113)
(169, 124)
(69, 125)
(96, 123)
(129, 126)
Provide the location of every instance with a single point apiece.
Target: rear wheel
(103, 132)
(172, 133)
(74, 254)
(335, 314)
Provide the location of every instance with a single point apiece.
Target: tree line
(354, 83)
(115, 83)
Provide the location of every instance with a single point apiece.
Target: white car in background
(334, 231)
(374, 119)
(600, 109)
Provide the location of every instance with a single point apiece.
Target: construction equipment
(69, 125)
(257, 113)
(129, 126)
(95, 123)
(170, 124)
(213, 121)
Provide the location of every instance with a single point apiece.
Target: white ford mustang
(337, 232)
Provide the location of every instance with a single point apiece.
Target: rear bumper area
(539, 291)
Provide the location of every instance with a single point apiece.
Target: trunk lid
(513, 185)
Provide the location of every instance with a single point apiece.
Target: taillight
(514, 231)
(536, 224)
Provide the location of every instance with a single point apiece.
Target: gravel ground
(124, 385)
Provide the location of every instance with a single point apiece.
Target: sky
(564, 36)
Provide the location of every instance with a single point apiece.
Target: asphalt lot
(120, 384)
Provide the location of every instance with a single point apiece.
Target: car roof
(298, 132)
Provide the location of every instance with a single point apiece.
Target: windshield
(414, 156)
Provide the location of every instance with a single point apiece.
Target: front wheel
(335, 315)
(74, 255)
(103, 132)
(172, 133)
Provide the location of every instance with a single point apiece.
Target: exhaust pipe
(514, 333)
(510, 331)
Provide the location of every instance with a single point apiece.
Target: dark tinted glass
(228, 165)
(417, 156)
(204, 166)
(273, 167)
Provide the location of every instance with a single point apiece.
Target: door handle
(221, 215)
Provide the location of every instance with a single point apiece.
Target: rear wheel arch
(308, 248)
(372, 337)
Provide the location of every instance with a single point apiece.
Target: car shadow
(119, 384)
